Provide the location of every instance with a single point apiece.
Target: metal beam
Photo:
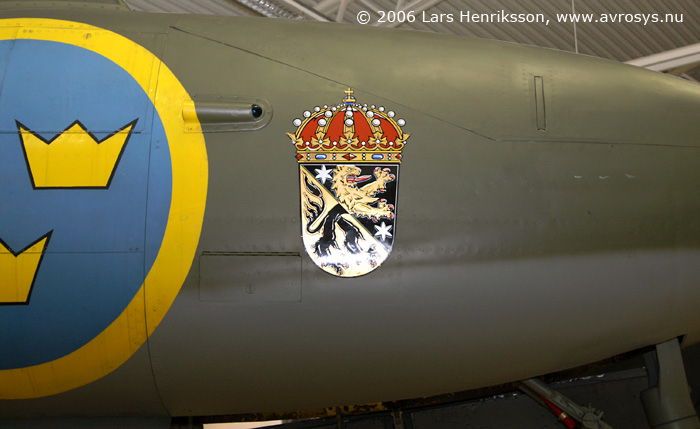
(341, 10)
(326, 5)
(690, 78)
(245, 7)
(266, 8)
(369, 5)
(669, 60)
(304, 10)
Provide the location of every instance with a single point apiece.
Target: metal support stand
(667, 402)
(397, 417)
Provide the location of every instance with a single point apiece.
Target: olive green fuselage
(547, 217)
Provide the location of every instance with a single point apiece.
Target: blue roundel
(104, 239)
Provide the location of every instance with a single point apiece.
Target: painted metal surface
(522, 250)
(114, 210)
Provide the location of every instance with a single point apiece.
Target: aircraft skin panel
(511, 231)
(484, 80)
(521, 246)
(481, 222)
(89, 183)
(311, 365)
(129, 390)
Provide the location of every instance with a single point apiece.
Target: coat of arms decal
(349, 157)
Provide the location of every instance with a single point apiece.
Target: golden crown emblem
(75, 158)
(349, 132)
(18, 270)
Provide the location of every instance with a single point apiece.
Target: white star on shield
(383, 231)
(323, 174)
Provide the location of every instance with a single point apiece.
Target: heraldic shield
(349, 157)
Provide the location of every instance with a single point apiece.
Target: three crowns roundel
(349, 156)
(103, 189)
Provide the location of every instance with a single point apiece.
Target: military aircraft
(201, 216)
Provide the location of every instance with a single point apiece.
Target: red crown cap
(349, 128)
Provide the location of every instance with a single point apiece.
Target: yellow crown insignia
(349, 132)
(75, 158)
(18, 270)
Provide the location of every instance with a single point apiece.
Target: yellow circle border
(120, 340)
